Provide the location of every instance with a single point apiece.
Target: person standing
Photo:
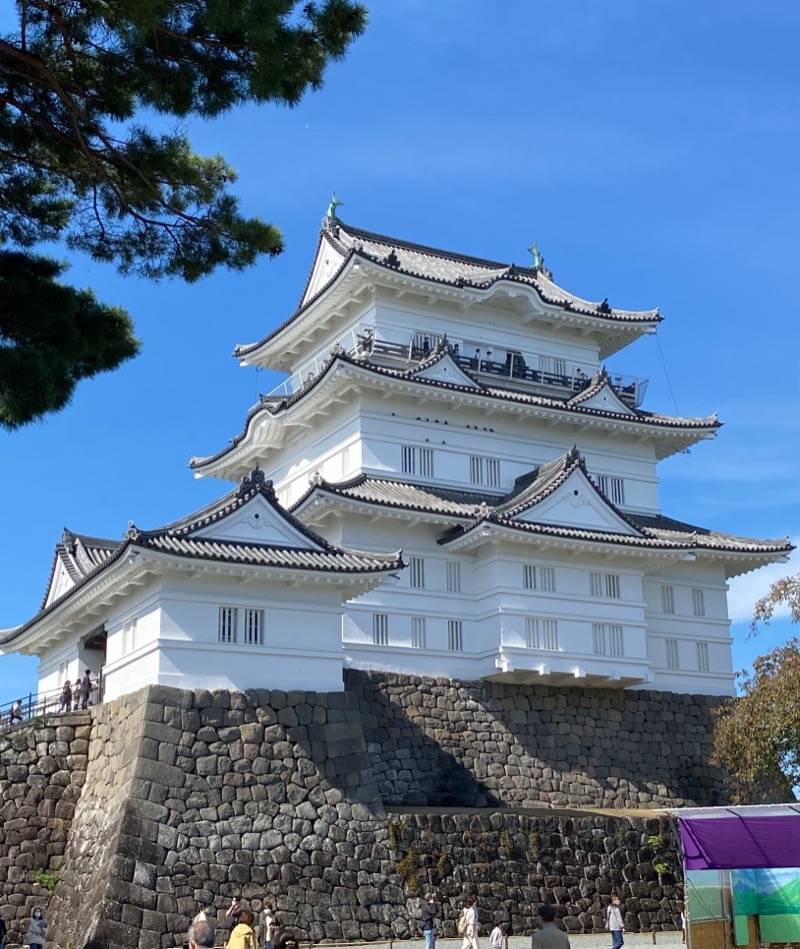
(267, 927)
(470, 940)
(496, 937)
(66, 698)
(3, 932)
(549, 936)
(242, 935)
(16, 714)
(614, 923)
(427, 920)
(234, 912)
(86, 689)
(36, 929)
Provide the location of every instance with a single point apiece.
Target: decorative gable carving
(604, 400)
(60, 583)
(446, 370)
(257, 522)
(326, 264)
(577, 503)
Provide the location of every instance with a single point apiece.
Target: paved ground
(664, 940)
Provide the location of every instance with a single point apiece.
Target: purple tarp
(738, 842)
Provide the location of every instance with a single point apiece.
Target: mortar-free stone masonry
(344, 808)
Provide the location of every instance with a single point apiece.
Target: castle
(450, 483)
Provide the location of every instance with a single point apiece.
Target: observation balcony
(528, 372)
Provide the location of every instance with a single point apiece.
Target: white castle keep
(450, 483)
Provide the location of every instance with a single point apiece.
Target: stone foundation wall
(440, 743)
(42, 771)
(307, 799)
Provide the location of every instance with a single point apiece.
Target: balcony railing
(35, 704)
(532, 371)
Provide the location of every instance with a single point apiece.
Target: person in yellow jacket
(242, 935)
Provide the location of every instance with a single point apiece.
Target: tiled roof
(80, 554)
(447, 268)
(472, 509)
(95, 554)
(568, 405)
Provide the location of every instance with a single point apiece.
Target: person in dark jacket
(427, 920)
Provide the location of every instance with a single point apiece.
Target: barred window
(418, 632)
(455, 635)
(483, 470)
(417, 461)
(608, 639)
(226, 629)
(702, 657)
(535, 577)
(667, 599)
(541, 633)
(612, 488)
(380, 629)
(416, 570)
(453, 576)
(672, 654)
(604, 584)
(253, 631)
(698, 602)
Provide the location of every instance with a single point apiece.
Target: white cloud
(746, 589)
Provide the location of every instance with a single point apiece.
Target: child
(496, 937)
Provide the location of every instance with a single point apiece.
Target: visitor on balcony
(16, 714)
(66, 698)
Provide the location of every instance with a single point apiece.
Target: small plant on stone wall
(619, 835)
(407, 872)
(397, 833)
(46, 879)
(660, 866)
(505, 841)
(656, 841)
(533, 845)
(469, 838)
(444, 866)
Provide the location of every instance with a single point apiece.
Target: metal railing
(516, 367)
(36, 704)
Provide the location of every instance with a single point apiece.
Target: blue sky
(649, 148)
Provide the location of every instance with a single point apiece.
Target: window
(417, 461)
(129, 636)
(253, 631)
(613, 488)
(416, 572)
(698, 602)
(425, 341)
(418, 632)
(226, 631)
(604, 584)
(672, 654)
(552, 365)
(380, 629)
(667, 599)
(455, 635)
(702, 657)
(345, 461)
(538, 578)
(541, 633)
(453, 577)
(484, 470)
(608, 639)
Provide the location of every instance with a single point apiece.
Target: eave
(360, 274)
(267, 424)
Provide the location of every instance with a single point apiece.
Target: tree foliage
(757, 737)
(81, 163)
(784, 592)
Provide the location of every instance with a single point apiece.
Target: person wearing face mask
(36, 929)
